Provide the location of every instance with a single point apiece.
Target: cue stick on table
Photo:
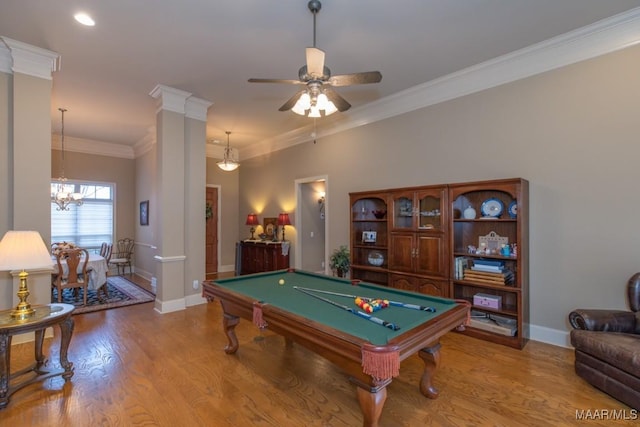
(351, 310)
(394, 303)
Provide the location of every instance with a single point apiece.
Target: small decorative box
(487, 300)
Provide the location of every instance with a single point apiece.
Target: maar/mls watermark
(607, 414)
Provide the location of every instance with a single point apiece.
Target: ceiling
(211, 47)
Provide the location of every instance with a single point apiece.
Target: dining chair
(106, 250)
(123, 254)
(75, 276)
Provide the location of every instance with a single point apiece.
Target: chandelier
(227, 163)
(62, 194)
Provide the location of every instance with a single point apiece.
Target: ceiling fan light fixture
(302, 105)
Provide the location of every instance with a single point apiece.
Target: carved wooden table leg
(431, 358)
(229, 323)
(40, 360)
(371, 405)
(5, 358)
(66, 330)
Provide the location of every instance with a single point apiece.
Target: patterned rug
(121, 293)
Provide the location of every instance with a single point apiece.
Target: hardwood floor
(134, 367)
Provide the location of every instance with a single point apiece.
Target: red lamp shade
(283, 219)
(252, 219)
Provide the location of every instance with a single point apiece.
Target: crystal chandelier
(62, 194)
(227, 163)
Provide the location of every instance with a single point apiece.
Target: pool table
(319, 312)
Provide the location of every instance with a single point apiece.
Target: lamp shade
(252, 219)
(22, 250)
(283, 219)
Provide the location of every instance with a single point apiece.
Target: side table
(45, 316)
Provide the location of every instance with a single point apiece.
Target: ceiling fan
(318, 99)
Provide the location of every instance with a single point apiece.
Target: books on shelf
(492, 272)
(461, 264)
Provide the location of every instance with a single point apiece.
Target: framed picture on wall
(144, 213)
(270, 227)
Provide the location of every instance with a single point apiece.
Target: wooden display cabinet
(418, 242)
(369, 237)
(478, 242)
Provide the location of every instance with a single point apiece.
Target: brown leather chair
(76, 274)
(607, 347)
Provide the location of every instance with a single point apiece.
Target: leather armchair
(607, 347)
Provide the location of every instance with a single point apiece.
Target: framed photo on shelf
(270, 227)
(369, 236)
(144, 213)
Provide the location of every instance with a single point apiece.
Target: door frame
(298, 219)
(218, 228)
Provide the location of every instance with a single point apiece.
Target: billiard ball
(281, 282)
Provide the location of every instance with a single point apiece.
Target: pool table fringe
(381, 364)
(258, 320)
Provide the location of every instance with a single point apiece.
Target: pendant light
(63, 195)
(227, 163)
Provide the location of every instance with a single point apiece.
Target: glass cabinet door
(430, 211)
(403, 211)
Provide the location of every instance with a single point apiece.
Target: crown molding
(196, 108)
(146, 143)
(30, 60)
(170, 99)
(5, 59)
(90, 146)
(605, 36)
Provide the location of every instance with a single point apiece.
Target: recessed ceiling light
(84, 19)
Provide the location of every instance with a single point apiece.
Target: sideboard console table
(45, 316)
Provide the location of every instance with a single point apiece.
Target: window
(90, 224)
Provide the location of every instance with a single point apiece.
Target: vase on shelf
(469, 213)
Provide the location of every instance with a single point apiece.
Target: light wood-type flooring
(136, 367)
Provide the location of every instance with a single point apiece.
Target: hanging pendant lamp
(64, 193)
(227, 163)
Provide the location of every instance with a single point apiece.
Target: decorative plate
(513, 209)
(492, 207)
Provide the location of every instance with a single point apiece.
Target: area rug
(121, 292)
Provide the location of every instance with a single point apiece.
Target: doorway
(311, 219)
(211, 232)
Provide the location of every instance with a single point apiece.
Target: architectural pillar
(25, 153)
(195, 180)
(170, 181)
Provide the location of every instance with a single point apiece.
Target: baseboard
(195, 299)
(550, 336)
(163, 307)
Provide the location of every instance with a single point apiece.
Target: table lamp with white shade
(23, 250)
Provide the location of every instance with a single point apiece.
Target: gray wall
(572, 132)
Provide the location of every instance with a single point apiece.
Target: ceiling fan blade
(292, 101)
(315, 62)
(340, 103)
(293, 82)
(355, 79)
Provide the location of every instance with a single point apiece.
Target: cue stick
(395, 303)
(352, 311)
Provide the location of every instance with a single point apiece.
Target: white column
(170, 180)
(195, 180)
(28, 107)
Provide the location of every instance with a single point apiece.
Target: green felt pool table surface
(265, 288)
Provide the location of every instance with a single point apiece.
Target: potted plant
(340, 261)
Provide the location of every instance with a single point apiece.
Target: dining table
(96, 270)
